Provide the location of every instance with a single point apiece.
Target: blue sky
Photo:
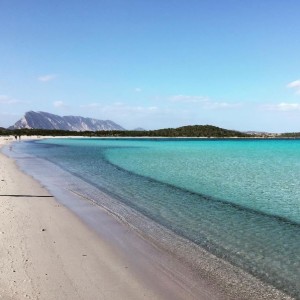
(153, 64)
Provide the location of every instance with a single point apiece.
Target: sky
(153, 63)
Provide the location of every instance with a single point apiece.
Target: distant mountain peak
(45, 120)
(139, 129)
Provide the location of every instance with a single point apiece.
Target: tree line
(185, 131)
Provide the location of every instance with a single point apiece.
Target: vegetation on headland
(185, 131)
(291, 135)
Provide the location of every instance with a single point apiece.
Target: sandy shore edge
(47, 253)
(84, 264)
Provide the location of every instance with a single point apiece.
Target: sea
(236, 199)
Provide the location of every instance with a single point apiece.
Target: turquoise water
(238, 199)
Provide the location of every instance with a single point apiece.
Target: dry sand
(47, 252)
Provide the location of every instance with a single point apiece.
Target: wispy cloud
(221, 105)
(47, 77)
(90, 105)
(295, 85)
(188, 99)
(283, 106)
(137, 90)
(4, 99)
(203, 101)
(120, 108)
(59, 104)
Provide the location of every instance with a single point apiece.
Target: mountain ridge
(45, 120)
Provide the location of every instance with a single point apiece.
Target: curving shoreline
(49, 253)
(167, 280)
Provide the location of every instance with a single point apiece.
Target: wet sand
(68, 248)
(47, 252)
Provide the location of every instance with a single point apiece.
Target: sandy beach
(47, 252)
(56, 244)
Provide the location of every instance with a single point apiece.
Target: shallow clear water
(238, 199)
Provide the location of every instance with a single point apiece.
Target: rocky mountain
(44, 120)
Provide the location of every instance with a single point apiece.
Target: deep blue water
(238, 199)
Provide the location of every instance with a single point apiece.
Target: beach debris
(84, 255)
(43, 229)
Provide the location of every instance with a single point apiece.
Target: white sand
(48, 253)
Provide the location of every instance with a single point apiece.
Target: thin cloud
(137, 90)
(59, 104)
(4, 99)
(188, 99)
(221, 105)
(120, 108)
(203, 101)
(295, 85)
(90, 105)
(47, 77)
(283, 106)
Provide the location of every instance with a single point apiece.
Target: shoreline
(48, 252)
(254, 137)
(182, 282)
